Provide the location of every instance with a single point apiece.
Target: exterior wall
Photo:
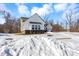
(22, 25)
(37, 25)
(26, 27)
(34, 18)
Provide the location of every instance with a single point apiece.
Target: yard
(48, 44)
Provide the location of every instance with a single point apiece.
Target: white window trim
(36, 27)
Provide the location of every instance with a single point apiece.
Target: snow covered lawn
(48, 44)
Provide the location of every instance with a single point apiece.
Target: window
(35, 27)
(32, 27)
(38, 27)
(45, 27)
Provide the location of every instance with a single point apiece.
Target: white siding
(34, 18)
(37, 26)
(22, 27)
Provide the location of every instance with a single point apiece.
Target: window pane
(35, 27)
(32, 27)
(38, 27)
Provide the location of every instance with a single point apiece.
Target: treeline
(70, 24)
(59, 27)
(73, 27)
(11, 25)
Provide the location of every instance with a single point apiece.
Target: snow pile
(31, 45)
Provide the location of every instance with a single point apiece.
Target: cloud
(2, 20)
(23, 10)
(60, 7)
(2, 8)
(45, 10)
(71, 8)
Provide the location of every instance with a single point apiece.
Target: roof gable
(33, 16)
(36, 18)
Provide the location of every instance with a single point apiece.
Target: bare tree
(46, 18)
(11, 24)
(51, 22)
(6, 16)
(69, 19)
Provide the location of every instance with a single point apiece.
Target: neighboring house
(34, 24)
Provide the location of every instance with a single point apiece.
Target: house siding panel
(34, 20)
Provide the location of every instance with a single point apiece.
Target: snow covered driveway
(49, 44)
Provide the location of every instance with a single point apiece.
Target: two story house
(33, 25)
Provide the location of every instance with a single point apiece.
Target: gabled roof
(39, 17)
(25, 18)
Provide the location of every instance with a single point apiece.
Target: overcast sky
(55, 11)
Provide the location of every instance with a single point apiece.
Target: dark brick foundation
(35, 31)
